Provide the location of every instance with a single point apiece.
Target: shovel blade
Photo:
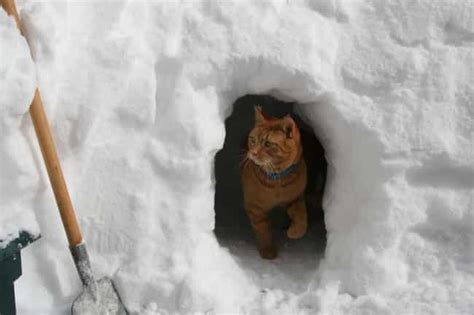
(99, 297)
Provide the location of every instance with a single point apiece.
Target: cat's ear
(289, 126)
(259, 117)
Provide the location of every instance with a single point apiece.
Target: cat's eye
(252, 140)
(267, 144)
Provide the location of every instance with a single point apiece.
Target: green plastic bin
(10, 270)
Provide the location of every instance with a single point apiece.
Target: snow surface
(18, 173)
(137, 94)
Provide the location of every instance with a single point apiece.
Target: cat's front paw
(296, 231)
(268, 253)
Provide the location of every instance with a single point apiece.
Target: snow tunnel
(386, 89)
(232, 227)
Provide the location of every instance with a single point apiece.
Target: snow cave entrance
(232, 228)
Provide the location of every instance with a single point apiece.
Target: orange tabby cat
(274, 174)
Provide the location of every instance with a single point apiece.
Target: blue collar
(282, 174)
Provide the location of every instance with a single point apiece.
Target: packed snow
(19, 178)
(137, 94)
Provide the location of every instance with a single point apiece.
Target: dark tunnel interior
(232, 227)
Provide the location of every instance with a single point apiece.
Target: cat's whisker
(244, 162)
(269, 166)
(244, 153)
(243, 158)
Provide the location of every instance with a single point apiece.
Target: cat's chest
(265, 193)
(280, 193)
(286, 193)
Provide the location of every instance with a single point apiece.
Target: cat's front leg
(261, 227)
(299, 221)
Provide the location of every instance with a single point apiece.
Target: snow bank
(18, 175)
(137, 94)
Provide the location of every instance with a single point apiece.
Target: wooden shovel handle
(50, 156)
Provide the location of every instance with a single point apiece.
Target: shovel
(98, 296)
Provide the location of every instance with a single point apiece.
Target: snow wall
(137, 94)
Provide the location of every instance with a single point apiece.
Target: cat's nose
(252, 154)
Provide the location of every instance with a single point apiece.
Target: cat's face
(273, 144)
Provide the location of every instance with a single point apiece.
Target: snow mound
(18, 175)
(137, 95)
